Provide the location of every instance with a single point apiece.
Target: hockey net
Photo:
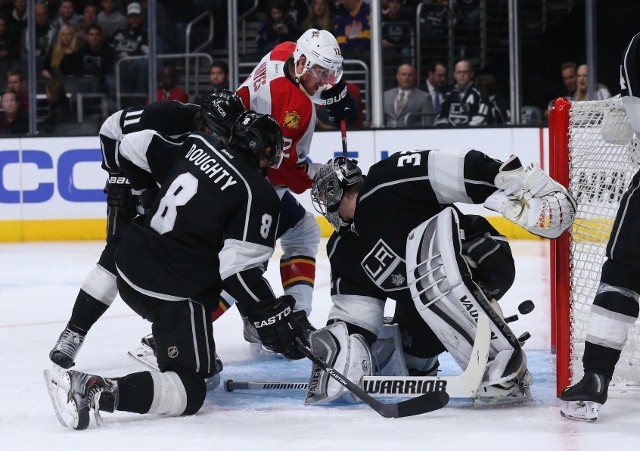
(589, 153)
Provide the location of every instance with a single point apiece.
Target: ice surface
(39, 282)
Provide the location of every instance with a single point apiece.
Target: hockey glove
(340, 104)
(119, 196)
(278, 328)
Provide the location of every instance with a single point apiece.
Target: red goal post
(589, 154)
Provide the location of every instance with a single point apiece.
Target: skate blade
(144, 354)
(258, 350)
(58, 385)
(486, 402)
(586, 411)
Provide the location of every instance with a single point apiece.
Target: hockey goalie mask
(323, 59)
(329, 185)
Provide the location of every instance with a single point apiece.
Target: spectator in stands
(499, 113)
(465, 104)
(60, 111)
(352, 29)
(46, 35)
(132, 41)
(397, 31)
(219, 79)
(9, 46)
(13, 119)
(95, 60)
(582, 93)
(438, 17)
(110, 19)
(89, 17)
(62, 59)
(297, 10)
(406, 105)
(319, 16)
(164, 29)
(436, 84)
(169, 90)
(66, 15)
(278, 27)
(17, 20)
(322, 114)
(18, 83)
(569, 74)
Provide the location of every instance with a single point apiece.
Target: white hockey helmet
(323, 56)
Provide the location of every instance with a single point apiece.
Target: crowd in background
(80, 42)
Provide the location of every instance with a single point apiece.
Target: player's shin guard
(449, 300)
(347, 354)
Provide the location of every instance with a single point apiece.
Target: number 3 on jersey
(183, 188)
(409, 159)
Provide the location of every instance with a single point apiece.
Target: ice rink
(39, 283)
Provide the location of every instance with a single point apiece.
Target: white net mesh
(601, 168)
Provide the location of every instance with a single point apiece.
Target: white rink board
(61, 178)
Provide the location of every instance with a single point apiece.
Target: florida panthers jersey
(167, 117)
(214, 217)
(270, 90)
(398, 194)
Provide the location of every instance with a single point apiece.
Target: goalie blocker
(449, 300)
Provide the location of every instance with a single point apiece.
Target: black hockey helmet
(329, 184)
(220, 111)
(258, 135)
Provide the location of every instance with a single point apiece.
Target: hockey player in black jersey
(216, 115)
(615, 307)
(403, 212)
(210, 228)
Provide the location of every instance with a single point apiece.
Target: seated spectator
(46, 35)
(569, 74)
(322, 114)
(18, 83)
(17, 19)
(399, 103)
(110, 18)
(278, 27)
(95, 59)
(9, 46)
(168, 89)
(465, 104)
(132, 41)
(438, 18)
(499, 113)
(319, 16)
(89, 17)
(60, 111)
(436, 84)
(397, 30)
(582, 93)
(219, 79)
(62, 59)
(66, 15)
(352, 28)
(13, 119)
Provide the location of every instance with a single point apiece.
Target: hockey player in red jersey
(285, 84)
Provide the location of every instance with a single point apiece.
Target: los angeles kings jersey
(215, 217)
(168, 117)
(399, 193)
(270, 90)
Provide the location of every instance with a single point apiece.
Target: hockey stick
(414, 406)
(464, 385)
(343, 132)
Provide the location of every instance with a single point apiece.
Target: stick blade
(416, 406)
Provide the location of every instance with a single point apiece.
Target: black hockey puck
(526, 307)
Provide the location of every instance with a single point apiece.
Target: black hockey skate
(583, 400)
(73, 394)
(66, 348)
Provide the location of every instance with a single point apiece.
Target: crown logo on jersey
(315, 34)
(291, 120)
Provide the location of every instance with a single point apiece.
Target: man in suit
(436, 84)
(405, 99)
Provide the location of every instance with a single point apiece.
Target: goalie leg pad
(387, 354)
(347, 354)
(449, 300)
(531, 199)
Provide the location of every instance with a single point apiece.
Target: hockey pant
(449, 300)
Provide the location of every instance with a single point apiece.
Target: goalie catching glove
(530, 198)
(278, 328)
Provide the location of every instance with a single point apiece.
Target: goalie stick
(464, 385)
(414, 406)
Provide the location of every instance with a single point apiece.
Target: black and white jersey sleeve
(214, 220)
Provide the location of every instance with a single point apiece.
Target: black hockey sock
(135, 392)
(86, 311)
